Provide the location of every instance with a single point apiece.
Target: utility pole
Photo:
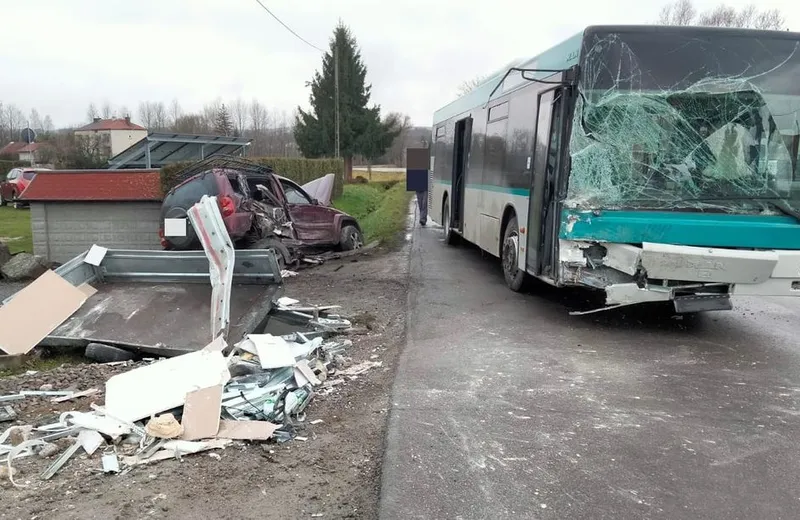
(336, 88)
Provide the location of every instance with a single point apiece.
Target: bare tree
(107, 111)
(34, 120)
(124, 111)
(210, 111)
(238, 111)
(91, 112)
(47, 124)
(683, 12)
(160, 118)
(175, 113)
(16, 121)
(469, 85)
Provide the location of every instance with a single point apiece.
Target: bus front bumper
(695, 278)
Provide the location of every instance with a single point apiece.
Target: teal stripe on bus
(497, 189)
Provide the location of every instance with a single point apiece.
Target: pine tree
(360, 128)
(223, 125)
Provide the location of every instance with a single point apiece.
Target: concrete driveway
(505, 406)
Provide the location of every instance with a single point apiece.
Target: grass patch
(379, 176)
(44, 364)
(381, 209)
(15, 229)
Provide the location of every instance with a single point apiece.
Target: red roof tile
(112, 124)
(12, 148)
(95, 185)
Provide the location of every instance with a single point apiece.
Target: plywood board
(246, 430)
(201, 413)
(87, 289)
(36, 311)
(152, 389)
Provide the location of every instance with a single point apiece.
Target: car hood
(321, 189)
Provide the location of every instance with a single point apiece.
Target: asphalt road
(504, 406)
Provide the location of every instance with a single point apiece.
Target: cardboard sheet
(201, 413)
(272, 351)
(36, 311)
(155, 388)
(246, 430)
(87, 289)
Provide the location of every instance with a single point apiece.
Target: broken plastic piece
(110, 463)
(90, 440)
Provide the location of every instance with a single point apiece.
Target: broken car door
(312, 222)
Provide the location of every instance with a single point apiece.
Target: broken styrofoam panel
(272, 351)
(93, 421)
(218, 345)
(246, 430)
(303, 350)
(303, 374)
(95, 255)
(90, 440)
(177, 448)
(36, 311)
(163, 385)
(201, 413)
(707, 264)
(285, 301)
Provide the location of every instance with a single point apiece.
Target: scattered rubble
(258, 389)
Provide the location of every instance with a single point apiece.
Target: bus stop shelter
(159, 149)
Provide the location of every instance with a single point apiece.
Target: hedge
(298, 169)
(5, 166)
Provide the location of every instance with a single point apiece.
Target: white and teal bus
(652, 163)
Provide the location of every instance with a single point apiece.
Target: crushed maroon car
(260, 208)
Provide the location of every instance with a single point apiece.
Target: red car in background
(15, 183)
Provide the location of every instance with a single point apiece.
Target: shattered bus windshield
(669, 120)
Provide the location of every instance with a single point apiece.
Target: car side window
(294, 195)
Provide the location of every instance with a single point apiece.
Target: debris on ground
(258, 389)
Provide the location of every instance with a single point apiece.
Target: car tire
(14, 201)
(107, 354)
(509, 257)
(350, 238)
(283, 255)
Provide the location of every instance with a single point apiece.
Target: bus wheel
(510, 259)
(450, 238)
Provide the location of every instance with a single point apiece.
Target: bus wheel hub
(510, 254)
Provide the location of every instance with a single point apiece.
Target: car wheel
(351, 238)
(14, 201)
(107, 354)
(450, 238)
(514, 276)
(283, 255)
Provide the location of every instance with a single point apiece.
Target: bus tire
(450, 237)
(515, 277)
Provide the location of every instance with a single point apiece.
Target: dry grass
(380, 176)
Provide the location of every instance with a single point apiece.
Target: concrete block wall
(63, 230)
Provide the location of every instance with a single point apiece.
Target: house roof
(18, 147)
(94, 185)
(111, 124)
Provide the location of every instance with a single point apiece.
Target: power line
(289, 28)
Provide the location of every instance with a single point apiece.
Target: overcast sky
(59, 55)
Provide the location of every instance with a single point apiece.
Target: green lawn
(15, 229)
(381, 212)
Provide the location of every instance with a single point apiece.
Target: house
(113, 135)
(73, 209)
(21, 151)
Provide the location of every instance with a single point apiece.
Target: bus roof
(562, 56)
(566, 54)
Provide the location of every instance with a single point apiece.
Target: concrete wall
(63, 230)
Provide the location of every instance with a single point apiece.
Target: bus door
(542, 218)
(461, 142)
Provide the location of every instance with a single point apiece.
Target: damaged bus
(651, 163)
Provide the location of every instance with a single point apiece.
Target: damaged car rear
(260, 209)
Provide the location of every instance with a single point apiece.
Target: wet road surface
(504, 406)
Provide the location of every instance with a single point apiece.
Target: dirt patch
(335, 473)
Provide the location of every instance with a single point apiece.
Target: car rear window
(190, 192)
(28, 175)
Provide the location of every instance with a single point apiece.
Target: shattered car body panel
(683, 167)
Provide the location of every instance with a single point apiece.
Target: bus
(651, 163)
